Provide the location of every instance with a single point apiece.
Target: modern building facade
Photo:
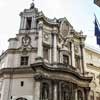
(45, 61)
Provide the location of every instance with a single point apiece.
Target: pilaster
(55, 91)
(33, 24)
(55, 45)
(73, 54)
(50, 55)
(82, 58)
(75, 94)
(37, 91)
(24, 22)
(6, 88)
(40, 42)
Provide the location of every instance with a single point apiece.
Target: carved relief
(26, 44)
(26, 40)
(45, 91)
(64, 29)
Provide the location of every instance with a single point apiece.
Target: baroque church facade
(45, 61)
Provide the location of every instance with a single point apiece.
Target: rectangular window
(28, 23)
(24, 60)
(22, 83)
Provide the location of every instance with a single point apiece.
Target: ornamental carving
(26, 44)
(64, 29)
(26, 40)
(46, 37)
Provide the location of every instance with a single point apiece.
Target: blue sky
(80, 14)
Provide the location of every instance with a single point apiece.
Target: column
(76, 94)
(55, 92)
(73, 54)
(61, 57)
(86, 93)
(54, 45)
(33, 24)
(40, 44)
(24, 23)
(82, 58)
(50, 55)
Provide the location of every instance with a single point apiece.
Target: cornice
(49, 22)
(15, 51)
(18, 70)
(61, 69)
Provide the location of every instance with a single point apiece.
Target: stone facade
(45, 61)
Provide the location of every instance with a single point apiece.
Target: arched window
(21, 98)
(80, 95)
(45, 91)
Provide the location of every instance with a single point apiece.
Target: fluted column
(55, 45)
(40, 42)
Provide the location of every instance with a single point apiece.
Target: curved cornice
(72, 72)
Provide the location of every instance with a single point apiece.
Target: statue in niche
(80, 95)
(66, 93)
(45, 92)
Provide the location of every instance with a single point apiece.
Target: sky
(80, 13)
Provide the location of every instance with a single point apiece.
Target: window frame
(24, 60)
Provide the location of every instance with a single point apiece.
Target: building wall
(92, 58)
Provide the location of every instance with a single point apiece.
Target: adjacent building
(47, 60)
(92, 62)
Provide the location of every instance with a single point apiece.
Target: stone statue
(32, 5)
